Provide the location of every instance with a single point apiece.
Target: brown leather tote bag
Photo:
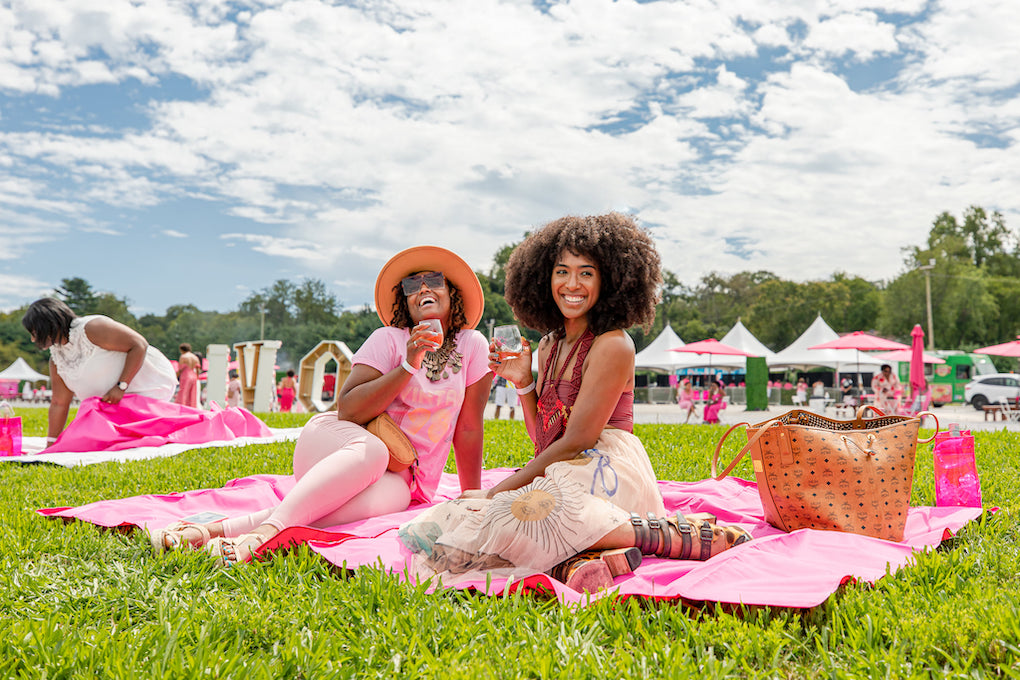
(838, 475)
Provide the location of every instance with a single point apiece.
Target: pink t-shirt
(427, 411)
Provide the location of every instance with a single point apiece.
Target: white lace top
(90, 371)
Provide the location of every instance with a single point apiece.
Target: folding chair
(1010, 411)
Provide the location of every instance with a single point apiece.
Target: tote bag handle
(750, 442)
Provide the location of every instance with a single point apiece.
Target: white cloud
(860, 34)
(173, 233)
(974, 45)
(15, 289)
(347, 132)
(281, 247)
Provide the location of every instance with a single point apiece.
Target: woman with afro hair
(590, 487)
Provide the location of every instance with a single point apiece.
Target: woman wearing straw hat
(434, 389)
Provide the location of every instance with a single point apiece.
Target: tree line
(974, 277)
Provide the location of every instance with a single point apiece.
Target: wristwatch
(122, 386)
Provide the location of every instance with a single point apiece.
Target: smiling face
(426, 303)
(576, 284)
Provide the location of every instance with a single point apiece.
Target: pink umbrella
(861, 341)
(1005, 349)
(712, 347)
(907, 355)
(917, 381)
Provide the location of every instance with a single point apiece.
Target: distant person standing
(286, 391)
(505, 396)
(233, 389)
(188, 368)
(801, 397)
(885, 385)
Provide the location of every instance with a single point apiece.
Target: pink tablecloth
(141, 421)
(800, 569)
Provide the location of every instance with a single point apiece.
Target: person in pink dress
(716, 402)
(188, 368)
(435, 393)
(884, 385)
(287, 389)
(686, 398)
(233, 389)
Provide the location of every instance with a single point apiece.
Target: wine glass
(436, 330)
(508, 341)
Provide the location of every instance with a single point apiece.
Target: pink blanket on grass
(800, 569)
(139, 421)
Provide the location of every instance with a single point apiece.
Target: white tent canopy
(20, 370)
(741, 338)
(798, 356)
(657, 355)
(738, 337)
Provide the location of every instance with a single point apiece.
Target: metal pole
(927, 293)
(262, 321)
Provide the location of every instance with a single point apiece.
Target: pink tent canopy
(906, 355)
(1005, 349)
(711, 347)
(862, 342)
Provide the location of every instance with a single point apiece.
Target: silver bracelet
(408, 367)
(50, 440)
(524, 390)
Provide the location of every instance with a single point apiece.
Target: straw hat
(429, 258)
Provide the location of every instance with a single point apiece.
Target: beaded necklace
(435, 363)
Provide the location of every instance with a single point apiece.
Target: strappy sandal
(231, 551)
(663, 536)
(593, 570)
(172, 537)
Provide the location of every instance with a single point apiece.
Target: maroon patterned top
(558, 395)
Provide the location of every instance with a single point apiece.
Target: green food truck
(948, 380)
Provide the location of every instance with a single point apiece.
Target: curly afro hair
(628, 264)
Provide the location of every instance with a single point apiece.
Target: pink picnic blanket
(142, 421)
(800, 569)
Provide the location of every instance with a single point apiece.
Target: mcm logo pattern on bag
(840, 475)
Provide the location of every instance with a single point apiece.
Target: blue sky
(195, 152)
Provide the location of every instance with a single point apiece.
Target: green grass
(81, 602)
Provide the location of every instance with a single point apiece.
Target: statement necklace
(436, 363)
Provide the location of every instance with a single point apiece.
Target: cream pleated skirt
(535, 527)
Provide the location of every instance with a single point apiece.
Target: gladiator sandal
(593, 570)
(674, 537)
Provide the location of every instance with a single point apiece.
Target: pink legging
(341, 477)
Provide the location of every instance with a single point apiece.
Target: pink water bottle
(956, 477)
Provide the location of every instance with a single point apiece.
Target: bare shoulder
(613, 342)
(101, 326)
(546, 344)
